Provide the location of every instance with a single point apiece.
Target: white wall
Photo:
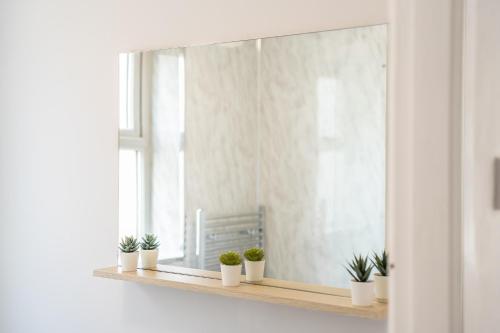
(58, 162)
(424, 165)
(482, 137)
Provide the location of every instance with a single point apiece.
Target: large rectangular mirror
(274, 142)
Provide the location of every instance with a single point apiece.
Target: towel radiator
(215, 235)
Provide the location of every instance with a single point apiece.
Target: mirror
(275, 142)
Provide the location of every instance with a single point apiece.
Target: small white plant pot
(129, 261)
(254, 270)
(362, 293)
(230, 275)
(381, 288)
(149, 258)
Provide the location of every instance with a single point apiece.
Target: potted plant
(381, 278)
(254, 264)
(128, 253)
(361, 287)
(149, 251)
(230, 267)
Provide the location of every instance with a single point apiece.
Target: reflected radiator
(215, 235)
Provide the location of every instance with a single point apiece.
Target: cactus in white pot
(254, 264)
(230, 267)
(361, 285)
(149, 251)
(128, 253)
(382, 277)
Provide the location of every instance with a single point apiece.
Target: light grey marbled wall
(221, 127)
(322, 151)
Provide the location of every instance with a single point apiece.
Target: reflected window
(151, 154)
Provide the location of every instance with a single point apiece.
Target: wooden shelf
(270, 290)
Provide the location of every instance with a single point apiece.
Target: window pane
(128, 192)
(129, 90)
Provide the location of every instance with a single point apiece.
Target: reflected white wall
(163, 149)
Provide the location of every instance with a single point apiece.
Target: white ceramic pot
(230, 275)
(129, 261)
(254, 270)
(149, 258)
(362, 293)
(381, 288)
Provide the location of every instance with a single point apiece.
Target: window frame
(135, 138)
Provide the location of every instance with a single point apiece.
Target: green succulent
(129, 244)
(360, 269)
(230, 258)
(149, 242)
(380, 263)
(254, 254)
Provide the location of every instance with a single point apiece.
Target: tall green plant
(380, 263)
(359, 268)
(129, 244)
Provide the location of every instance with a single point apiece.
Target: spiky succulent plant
(380, 263)
(129, 244)
(230, 258)
(254, 254)
(149, 242)
(359, 268)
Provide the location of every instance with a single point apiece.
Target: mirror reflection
(277, 142)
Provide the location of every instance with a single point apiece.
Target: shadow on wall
(155, 308)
